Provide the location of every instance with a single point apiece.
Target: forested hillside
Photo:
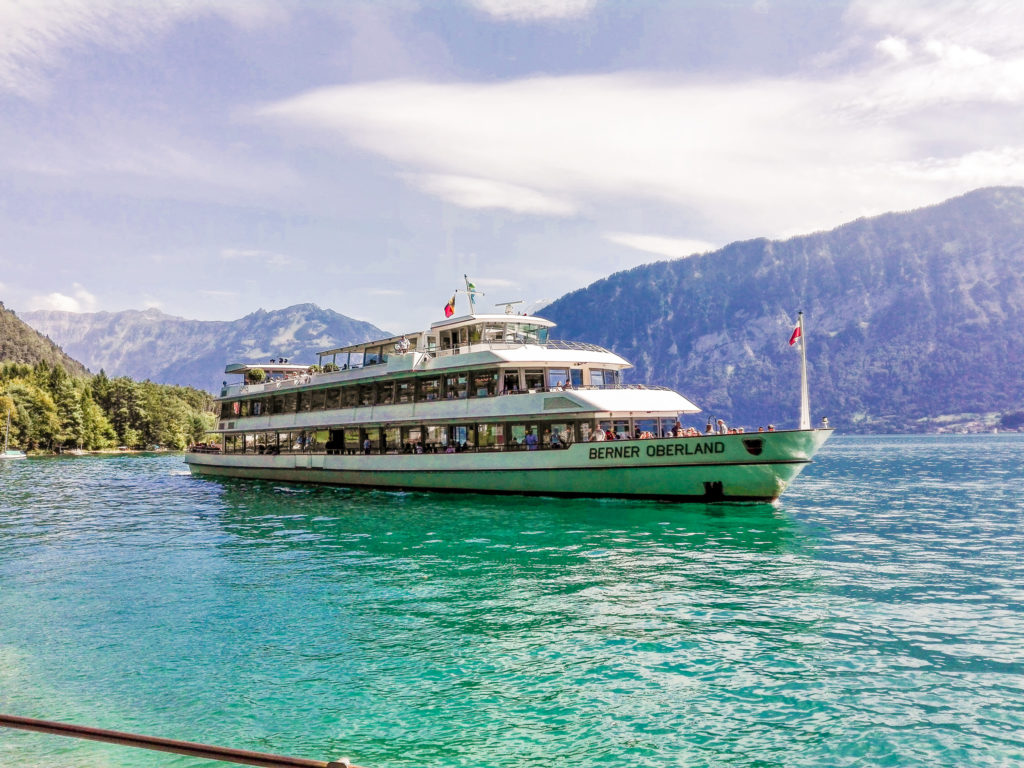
(55, 403)
(914, 319)
(19, 343)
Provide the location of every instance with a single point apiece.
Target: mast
(805, 400)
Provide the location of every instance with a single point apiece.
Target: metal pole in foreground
(190, 748)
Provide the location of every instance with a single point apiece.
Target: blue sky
(210, 157)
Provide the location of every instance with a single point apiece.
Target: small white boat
(10, 454)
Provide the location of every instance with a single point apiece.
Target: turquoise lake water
(874, 617)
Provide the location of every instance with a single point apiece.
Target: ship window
(435, 435)
(429, 389)
(565, 432)
(317, 399)
(485, 383)
(288, 403)
(406, 391)
(410, 437)
(557, 377)
(494, 332)
(332, 398)
(596, 378)
(490, 435)
(534, 378)
(459, 435)
(304, 401)
(352, 444)
(255, 407)
(621, 429)
(510, 378)
(517, 434)
(455, 385)
(385, 392)
(586, 430)
(373, 435)
(276, 404)
(366, 394)
(226, 411)
(392, 440)
(350, 396)
(647, 427)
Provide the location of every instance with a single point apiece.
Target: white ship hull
(753, 467)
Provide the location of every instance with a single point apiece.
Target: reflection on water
(874, 618)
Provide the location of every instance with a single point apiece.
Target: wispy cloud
(38, 35)
(80, 300)
(269, 258)
(673, 247)
(470, 192)
(534, 10)
(746, 156)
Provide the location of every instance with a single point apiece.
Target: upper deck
(469, 341)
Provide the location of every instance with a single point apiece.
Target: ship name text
(658, 450)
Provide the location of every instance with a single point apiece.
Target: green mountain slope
(20, 343)
(910, 316)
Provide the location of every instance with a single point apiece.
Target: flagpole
(805, 400)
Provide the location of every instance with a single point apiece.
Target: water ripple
(874, 618)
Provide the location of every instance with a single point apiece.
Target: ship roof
(267, 368)
(446, 325)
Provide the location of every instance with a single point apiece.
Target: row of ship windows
(456, 385)
(436, 438)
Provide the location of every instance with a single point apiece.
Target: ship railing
(173, 746)
(250, 389)
(319, 449)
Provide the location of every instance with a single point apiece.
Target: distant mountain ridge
(166, 349)
(20, 343)
(912, 318)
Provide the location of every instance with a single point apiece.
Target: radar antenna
(508, 306)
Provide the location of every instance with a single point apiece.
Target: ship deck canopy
(272, 370)
(493, 327)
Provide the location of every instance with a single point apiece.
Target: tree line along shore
(52, 411)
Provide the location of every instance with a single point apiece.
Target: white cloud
(673, 247)
(80, 301)
(895, 47)
(534, 10)
(753, 157)
(991, 26)
(470, 192)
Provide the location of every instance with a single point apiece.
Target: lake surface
(873, 618)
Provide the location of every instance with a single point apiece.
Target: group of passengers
(716, 427)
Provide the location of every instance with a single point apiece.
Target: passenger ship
(488, 403)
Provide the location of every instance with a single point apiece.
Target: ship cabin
(441, 386)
